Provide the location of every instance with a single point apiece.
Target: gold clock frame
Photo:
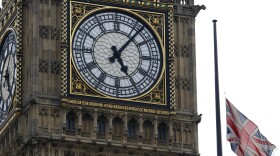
(12, 13)
(77, 12)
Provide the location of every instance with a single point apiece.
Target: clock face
(7, 74)
(117, 54)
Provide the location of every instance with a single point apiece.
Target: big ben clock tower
(98, 78)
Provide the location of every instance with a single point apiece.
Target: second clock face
(7, 74)
(117, 54)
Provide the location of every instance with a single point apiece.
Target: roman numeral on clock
(102, 77)
(87, 33)
(146, 57)
(91, 65)
(143, 72)
(117, 83)
(87, 50)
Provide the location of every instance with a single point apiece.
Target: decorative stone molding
(197, 118)
(64, 48)
(55, 33)
(43, 111)
(182, 50)
(186, 83)
(44, 31)
(26, 3)
(55, 67)
(171, 61)
(187, 8)
(43, 65)
(55, 112)
(176, 19)
(55, 2)
(183, 83)
(184, 19)
(185, 50)
(177, 82)
(176, 50)
(44, 1)
(188, 127)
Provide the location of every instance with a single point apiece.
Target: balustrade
(85, 134)
(132, 139)
(146, 141)
(101, 136)
(162, 143)
(117, 137)
(70, 132)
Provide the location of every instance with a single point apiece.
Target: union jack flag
(244, 135)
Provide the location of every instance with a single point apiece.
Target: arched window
(86, 122)
(177, 135)
(147, 129)
(101, 121)
(187, 136)
(70, 120)
(162, 131)
(117, 128)
(132, 126)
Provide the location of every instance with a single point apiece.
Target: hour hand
(9, 86)
(112, 59)
(115, 54)
(123, 67)
(6, 82)
(6, 78)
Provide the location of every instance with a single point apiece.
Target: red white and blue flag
(244, 135)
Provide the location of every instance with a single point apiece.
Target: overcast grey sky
(249, 60)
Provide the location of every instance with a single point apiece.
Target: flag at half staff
(244, 135)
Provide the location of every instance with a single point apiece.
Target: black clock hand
(132, 38)
(9, 86)
(6, 81)
(116, 55)
(6, 78)
(123, 67)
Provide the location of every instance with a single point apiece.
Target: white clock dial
(117, 54)
(7, 74)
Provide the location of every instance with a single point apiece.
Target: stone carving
(43, 65)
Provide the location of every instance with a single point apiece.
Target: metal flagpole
(217, 94)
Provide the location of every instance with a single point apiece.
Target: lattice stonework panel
(183, 83)
(55, 67)
(55, 33)
(44, 31)
(102, 42)
(43, 65)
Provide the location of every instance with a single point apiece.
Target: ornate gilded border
(157, 94)
(148, 4)
(64, 48)
(19, 32)
(168, 43)
(92, 104)
(171, 60)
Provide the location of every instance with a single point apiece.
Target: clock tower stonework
(98, 78)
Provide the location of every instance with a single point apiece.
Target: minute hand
(127, 43)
